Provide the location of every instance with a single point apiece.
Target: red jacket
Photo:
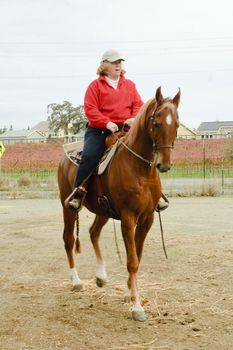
(102, 103)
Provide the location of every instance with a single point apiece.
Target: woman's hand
(112, 127)
(129, 122)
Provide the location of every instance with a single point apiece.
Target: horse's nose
(163, 168)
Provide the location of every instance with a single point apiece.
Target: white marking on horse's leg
(101, 270)
(138, 312)
(139, 315)
(101, 275)
(137, 306)
(76, 282)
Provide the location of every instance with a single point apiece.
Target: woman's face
(114, 70)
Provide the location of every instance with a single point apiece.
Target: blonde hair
(102, 69)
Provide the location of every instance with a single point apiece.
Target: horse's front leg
(127, 227)
(143, 226)
(95, 230)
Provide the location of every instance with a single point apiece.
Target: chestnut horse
(132, 184)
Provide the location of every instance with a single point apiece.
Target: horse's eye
(157, 125)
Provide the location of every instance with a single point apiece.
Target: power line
(134, 51)
(113, 42)
(75, 76)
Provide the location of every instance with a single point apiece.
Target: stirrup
(76, 203)
(162, 205)
(78, 193)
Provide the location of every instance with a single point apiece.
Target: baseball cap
(112, 56)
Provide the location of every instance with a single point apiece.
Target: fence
(199, 179)
(198, 165)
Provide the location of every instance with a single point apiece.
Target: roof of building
(41, 126)
(214, 126)
(20, 133)
(190, 130)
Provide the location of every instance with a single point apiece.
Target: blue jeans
(94, 147)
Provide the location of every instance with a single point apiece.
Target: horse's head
(163, 126)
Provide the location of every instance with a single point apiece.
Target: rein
(155, 149)
(150, 162)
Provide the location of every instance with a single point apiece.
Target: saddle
(73, 152)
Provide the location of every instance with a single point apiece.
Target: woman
(110, 101)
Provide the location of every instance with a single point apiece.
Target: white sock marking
(101, 271)
(137, 306)
(74, 277)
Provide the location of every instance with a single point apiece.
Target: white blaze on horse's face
(168, 119)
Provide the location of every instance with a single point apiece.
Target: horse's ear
(176, 99)
(158, 96)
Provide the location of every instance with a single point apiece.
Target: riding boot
(163, 203)
(76, 198)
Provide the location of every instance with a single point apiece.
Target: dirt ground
(190, 295)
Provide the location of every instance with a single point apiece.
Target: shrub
(4, 184)
(211, 190)
(24, 181)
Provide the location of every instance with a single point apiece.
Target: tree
(66, 117)
(2, 130)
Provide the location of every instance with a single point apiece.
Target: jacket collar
(121, 80)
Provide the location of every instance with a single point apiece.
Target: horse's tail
(77, 241)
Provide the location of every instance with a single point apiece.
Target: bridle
(150, 162)
(155, 147)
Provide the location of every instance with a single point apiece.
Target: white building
(215, 129)
(25, 136)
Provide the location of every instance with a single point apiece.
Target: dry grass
(24, 181)
(210, 188)
(4, 184)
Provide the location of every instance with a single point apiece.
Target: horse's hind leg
(68, 236)
(95, 230)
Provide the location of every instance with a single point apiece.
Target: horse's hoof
(127, 299)
(77, 287)
(100, 282)
(139, 316)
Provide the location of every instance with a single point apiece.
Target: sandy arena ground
(190, 295)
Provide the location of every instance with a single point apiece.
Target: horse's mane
(142, 116)
(139, 120)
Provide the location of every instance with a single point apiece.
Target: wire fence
(181, 180)
(199, 180)
(200, 167)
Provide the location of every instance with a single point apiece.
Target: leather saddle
(74, 150)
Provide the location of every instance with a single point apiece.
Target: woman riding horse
(110, 102)
(132, 183)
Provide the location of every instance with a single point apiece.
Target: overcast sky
(50, 49)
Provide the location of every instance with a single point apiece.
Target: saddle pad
(73, 151)
(105, 160)
(70, 147)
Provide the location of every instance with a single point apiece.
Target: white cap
(112, 56)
